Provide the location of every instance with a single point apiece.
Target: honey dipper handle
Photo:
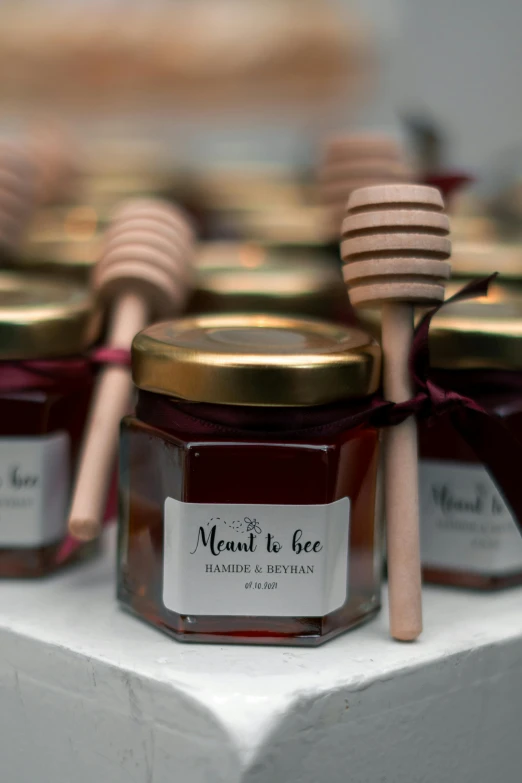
(109, 404)
(401, 480)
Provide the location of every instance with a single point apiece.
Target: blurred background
(228, 106)
(459, 62)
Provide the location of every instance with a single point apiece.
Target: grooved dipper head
(148, 248)
(395, 245)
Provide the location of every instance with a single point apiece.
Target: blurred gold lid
(42, 318)
(479, 333)
(230, 254)
(250, 278)
(78, 222)
(482, 258)
(475, 333)
(298, 224)
(105, 190)
(71, 258)
(260, 360)
(248, 189)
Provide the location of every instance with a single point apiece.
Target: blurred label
(34, 489)
(465, 523)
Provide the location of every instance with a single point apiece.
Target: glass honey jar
(45, 388)
(247, 503)
(469, 536)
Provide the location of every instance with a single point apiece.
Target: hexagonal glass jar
(246, 515)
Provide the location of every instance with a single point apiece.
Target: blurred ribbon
(69, 371)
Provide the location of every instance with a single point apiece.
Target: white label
(255, 560)
(34, 489)
(465, 523)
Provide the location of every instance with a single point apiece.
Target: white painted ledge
(90, 695)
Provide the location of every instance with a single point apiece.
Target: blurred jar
(469, 537)
(247, 201)
(71, 259)
(246, 277)
(103, 189)
(299, 226)
(45, 388)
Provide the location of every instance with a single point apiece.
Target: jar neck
(194, 418)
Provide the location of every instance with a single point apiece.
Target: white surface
(265, 560)
(90, 694)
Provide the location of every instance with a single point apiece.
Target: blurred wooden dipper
(58, 163)
(32, 173)
(395, 242)
(144, 274)
(18, 196)
(357, 161)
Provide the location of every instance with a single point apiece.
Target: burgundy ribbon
(69, 371)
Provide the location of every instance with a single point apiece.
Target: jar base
(252, 637)
(470, 581)
(42, 561)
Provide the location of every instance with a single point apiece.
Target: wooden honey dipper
(357, 161)
(395, 242)
(144, 273)
(18, 196)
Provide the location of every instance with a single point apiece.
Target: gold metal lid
(260, 360)
(42, 318)
(484, 333)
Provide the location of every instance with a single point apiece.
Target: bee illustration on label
(252, 525)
